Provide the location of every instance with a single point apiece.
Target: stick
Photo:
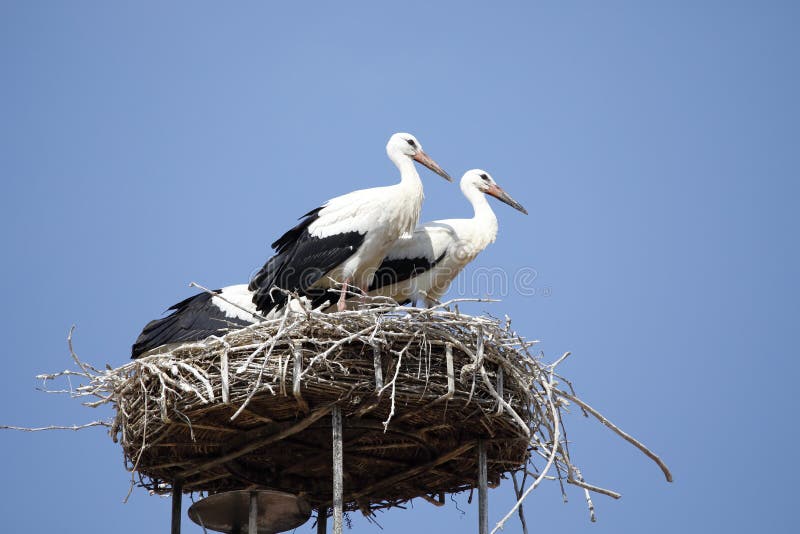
(225, 375)
(518, 492)
(56, 427)
(624, 435)
(376, 362)
(298, 366)
(499, 389)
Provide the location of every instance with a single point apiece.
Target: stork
(342, 243)
(344, 240)
(197, 317)
(423, 264)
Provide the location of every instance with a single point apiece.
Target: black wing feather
(284, 242)
(192, 319)
(299, 262)
(392, 271)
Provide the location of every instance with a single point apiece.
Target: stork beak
(422, 157)
(497, 192)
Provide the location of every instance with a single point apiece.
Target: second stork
(422, 265)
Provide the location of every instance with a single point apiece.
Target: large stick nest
(201, 411)
(418, 388)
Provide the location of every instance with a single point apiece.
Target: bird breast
(382, 214)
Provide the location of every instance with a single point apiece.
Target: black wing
(392, 271)
(192, 319)
(299, 262)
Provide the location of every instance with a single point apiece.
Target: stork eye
(411, 142)
(485, 177)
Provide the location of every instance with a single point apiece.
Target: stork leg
(364, 293)
(341, 304)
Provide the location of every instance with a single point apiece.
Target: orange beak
(497, 192)
(423, 158)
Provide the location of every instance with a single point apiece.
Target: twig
(56, 427)
(595, 489)
(518, 492)
(84, 367)
(624, 435)
(392, 383)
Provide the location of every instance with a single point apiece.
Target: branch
(624, 435)
(56, 427)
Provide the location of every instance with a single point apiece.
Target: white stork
(344, 241)
(198, 317)
(424, 264)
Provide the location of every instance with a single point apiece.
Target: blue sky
(655, 147)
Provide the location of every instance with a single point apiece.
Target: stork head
(483, 182)
(406, 145)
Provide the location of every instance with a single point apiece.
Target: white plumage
(236, 302)
(422, 265)
(342, 242)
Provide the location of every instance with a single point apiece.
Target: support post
(177, 494)
(483, 489)
(252, 523)
(322, 520)
(338, 470)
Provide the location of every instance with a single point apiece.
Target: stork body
(342, 243)
(423, 264)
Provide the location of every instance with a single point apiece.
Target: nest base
(250, 410)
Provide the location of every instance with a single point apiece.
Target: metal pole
(177, 493)
(338, 471)
(483, 490)
(322, 520)
(252, 523)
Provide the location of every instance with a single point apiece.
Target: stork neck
(483, 213)
(409, 176)
(408, 192)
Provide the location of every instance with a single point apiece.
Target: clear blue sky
(655, 146)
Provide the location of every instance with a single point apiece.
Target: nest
(418, 390)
